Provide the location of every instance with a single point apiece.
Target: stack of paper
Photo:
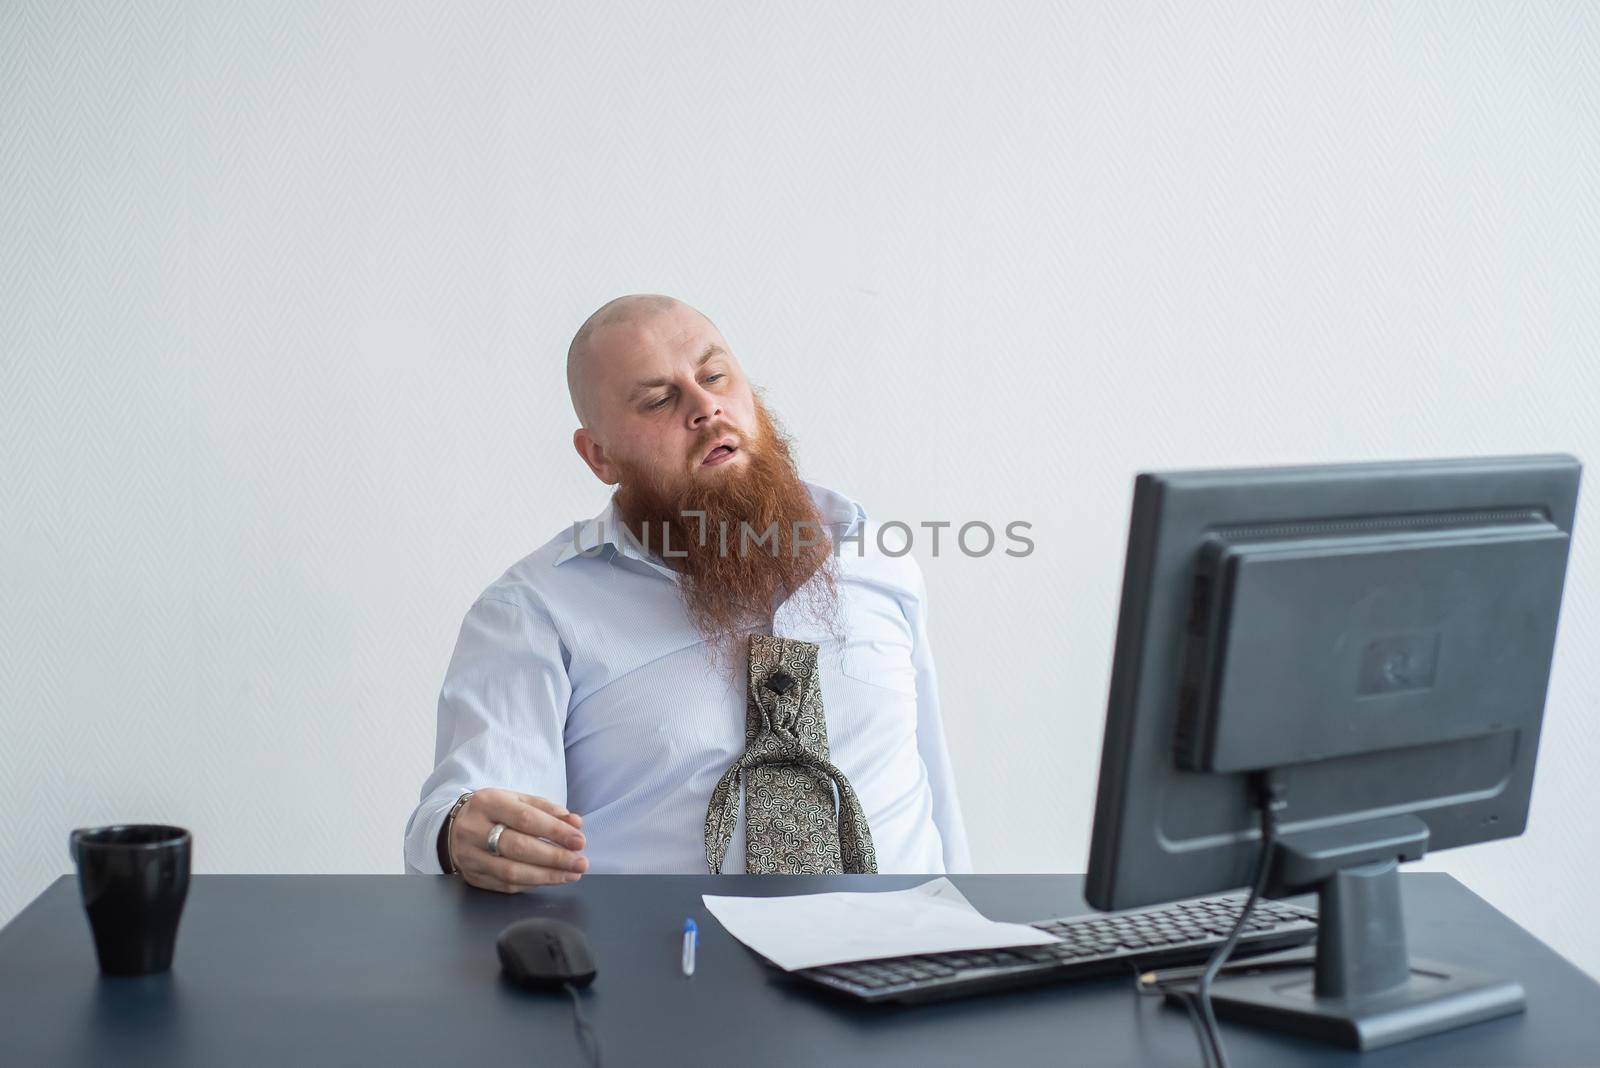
(807, 930)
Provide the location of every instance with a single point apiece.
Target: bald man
(597, 690)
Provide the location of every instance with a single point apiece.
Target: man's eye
(714, 377)
(662, 403)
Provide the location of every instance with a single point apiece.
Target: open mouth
(719, 453)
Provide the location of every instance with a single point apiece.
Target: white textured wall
(285, 291)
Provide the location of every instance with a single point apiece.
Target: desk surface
(401, 969)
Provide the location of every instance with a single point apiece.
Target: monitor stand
(1361, 990)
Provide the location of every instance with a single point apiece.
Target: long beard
(751, 538)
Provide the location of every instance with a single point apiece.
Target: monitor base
(1358, 987)
(1436, 997)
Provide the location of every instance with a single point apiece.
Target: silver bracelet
(449, 832)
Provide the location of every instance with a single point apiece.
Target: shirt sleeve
(930, 735)
(502, 714)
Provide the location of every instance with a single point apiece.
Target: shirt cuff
(422, 846)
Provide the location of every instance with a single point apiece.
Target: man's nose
(703, 407)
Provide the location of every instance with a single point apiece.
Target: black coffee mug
(134, 878)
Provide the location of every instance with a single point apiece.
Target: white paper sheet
(806, 930)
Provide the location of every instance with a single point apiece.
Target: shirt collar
(604, 532)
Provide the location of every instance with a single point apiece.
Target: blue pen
(689, 934)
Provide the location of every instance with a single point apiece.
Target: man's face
(675, 422)
(669, 400)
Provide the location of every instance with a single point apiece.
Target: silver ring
(493, 845)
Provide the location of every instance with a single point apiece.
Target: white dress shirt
(578, 676)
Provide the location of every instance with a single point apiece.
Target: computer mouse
(545, 954)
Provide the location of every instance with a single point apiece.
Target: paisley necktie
(792, 825)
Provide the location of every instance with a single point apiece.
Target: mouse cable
(1269, 789)
(586, 1033)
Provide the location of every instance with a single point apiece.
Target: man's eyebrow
(639, 387)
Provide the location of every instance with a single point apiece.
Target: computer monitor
(1372, 640)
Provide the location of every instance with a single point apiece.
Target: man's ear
(594, 454)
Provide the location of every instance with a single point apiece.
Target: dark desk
(401, 969)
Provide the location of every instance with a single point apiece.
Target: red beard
(749, 553)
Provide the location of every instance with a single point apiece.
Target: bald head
(656, 386)
(633, 310)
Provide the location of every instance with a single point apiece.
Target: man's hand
(538, 847)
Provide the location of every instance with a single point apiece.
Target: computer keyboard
(1097, 944)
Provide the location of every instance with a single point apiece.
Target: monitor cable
(1269, 789)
